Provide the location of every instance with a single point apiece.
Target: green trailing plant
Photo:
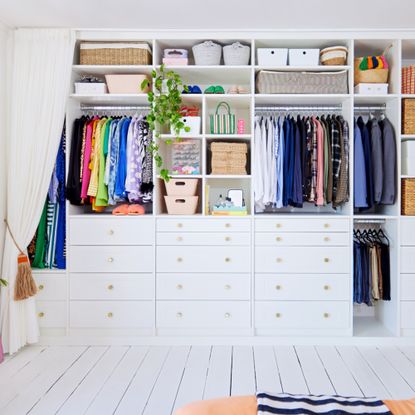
(165, 103)
(3, 283)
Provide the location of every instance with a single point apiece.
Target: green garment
(102, 195)
(39, 259)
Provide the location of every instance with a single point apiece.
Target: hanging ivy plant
(165, 103)
(3, 282)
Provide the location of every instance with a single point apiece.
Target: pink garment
(87, 158)
(320, 165)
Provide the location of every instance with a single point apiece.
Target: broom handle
(14, 239)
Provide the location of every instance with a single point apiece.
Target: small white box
(304, 57)
(272, 56)
(193, 123)
(371, 89)
(90, 88)
(408, 157)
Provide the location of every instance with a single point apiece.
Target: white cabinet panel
(302, 225)
(204, 225)
(407, 314)
(51, 314)
(51, 287)
(204, 238)
(408, 287)
(408, 231)
(302, 239)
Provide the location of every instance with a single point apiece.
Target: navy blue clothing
(287, 130)
(297, 195)
(368, 161)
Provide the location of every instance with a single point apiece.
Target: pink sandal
(121, 210)
(136, 209)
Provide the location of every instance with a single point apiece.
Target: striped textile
(287, 404)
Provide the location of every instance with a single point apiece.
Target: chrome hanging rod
(371, 108)
(114, 108)
(288, 108)
(359, 221)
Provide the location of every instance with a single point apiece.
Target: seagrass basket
(408, 116)
(228, 158)
(408, 197)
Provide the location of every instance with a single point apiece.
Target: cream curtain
(39, 86)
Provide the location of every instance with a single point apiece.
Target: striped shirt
(287, 404)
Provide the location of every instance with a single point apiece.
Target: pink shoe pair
(134, 209)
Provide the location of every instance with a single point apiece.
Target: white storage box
(126, 84)
(181, 187)
(90, 88)
(371, 89)
(408, 157)
(193, 123)
(304, 57)
(181, 205)
(272, 56)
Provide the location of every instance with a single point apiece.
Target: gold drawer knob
(278, 239)
(110, 259)
(41, 314)
(179, 238)
(327, 287)
(278, 315)
(180, 225)
(278, 225)
(179, 259)
(179, 286)
(278, 287)
(110, 315)
(227, 238)
(326, 315)
(227, 259)
(326, 239)
(41, 287)
(227, 225)
(179, 315)
(110, 232)
(279, 260)
(227, 287)
(326, 259)
(327, 225)
(110, 287)
(227, 315)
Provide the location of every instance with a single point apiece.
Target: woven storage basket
(408, 116)
(408, 79)
(207, 53)
(370, 76)
(115, 53)
(236, 54)
(271, 82)
(335, 55)
(228, 158)
(408, 197)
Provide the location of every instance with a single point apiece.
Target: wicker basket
(408, 79)
(236, 54)
(370, 76)
(335, 55)
(228, 158)
(408, 116)
(207, 53)
(408, 197)
(115, 53)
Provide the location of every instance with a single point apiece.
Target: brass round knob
(227, 225)
(326, 260)
(110, 259)
(179, 315)
(179, 259)
(326, 239)
(110, 232)
(326, 315)
(41, 287)
(110, 315)
(227, 287)
(278, 239)
(179, 238)
(278, 225)
(227, 238)
(327, 287)
(110, 287)
(277, 315)
(180, 225)
(227, 315)
(278, 287)
(327, 225)
(179, 286)
(41, 314)
(227, 259)
(279, 260)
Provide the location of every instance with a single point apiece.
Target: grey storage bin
(271, 82)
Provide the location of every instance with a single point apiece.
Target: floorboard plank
(85, 393)
(368, 381)
(17, 361)
(218, 379)
(292, 377)
(194, 377)
(243, 371)
(401, 363)
(110, 395)
(266, 369)
(343, 382)
(409, 352)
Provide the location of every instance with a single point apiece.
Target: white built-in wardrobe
(279, 274)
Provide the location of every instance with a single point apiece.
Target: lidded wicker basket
(228, 158)
(408, 116)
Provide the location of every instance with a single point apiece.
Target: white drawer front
(302, 225)
(111, 231)
(51, 314)
(302, 315)
(203, 287)
(407, 260)
(51, 287)
(203, 314)
(408, 232)
(302, 287)
(302, 239)
(311, 260)
(112, 287)
(407, 314)
(204, 238)
(111, 259)
(204, 225)
(112, 314)
(408, 287)
(203, 259)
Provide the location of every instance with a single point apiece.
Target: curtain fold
(40, 81)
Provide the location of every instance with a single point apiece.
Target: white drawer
(302, 225)
(51, 314)
(203, 287)
(204, 225)
(334, 287)
(111, 231)
(302, 239)
(312, 260)
(112, 314)
(51, 287)
(204, 238)
(408, 287)
(112, 287)
(111, 259)
(203, 259)
(302, 315)
(408, 231)
(407, 314)
(407, 260)
(203, 314)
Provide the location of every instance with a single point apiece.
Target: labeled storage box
(181, 205)
(408, 197)
(90, 88)
(115, 53)
(228, 158)
(304, 57)
(408, 157)
(181, 187)
(274, 82)
(408, 116)
(272, 56)
(193, 123)
(371, 89)
(126, 84)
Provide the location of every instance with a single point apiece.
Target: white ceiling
(210, 14)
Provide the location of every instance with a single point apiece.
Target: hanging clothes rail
(373, 108)
(288, 108)
(369, 221)
(114, 108)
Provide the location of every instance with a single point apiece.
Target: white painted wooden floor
(98, 380)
